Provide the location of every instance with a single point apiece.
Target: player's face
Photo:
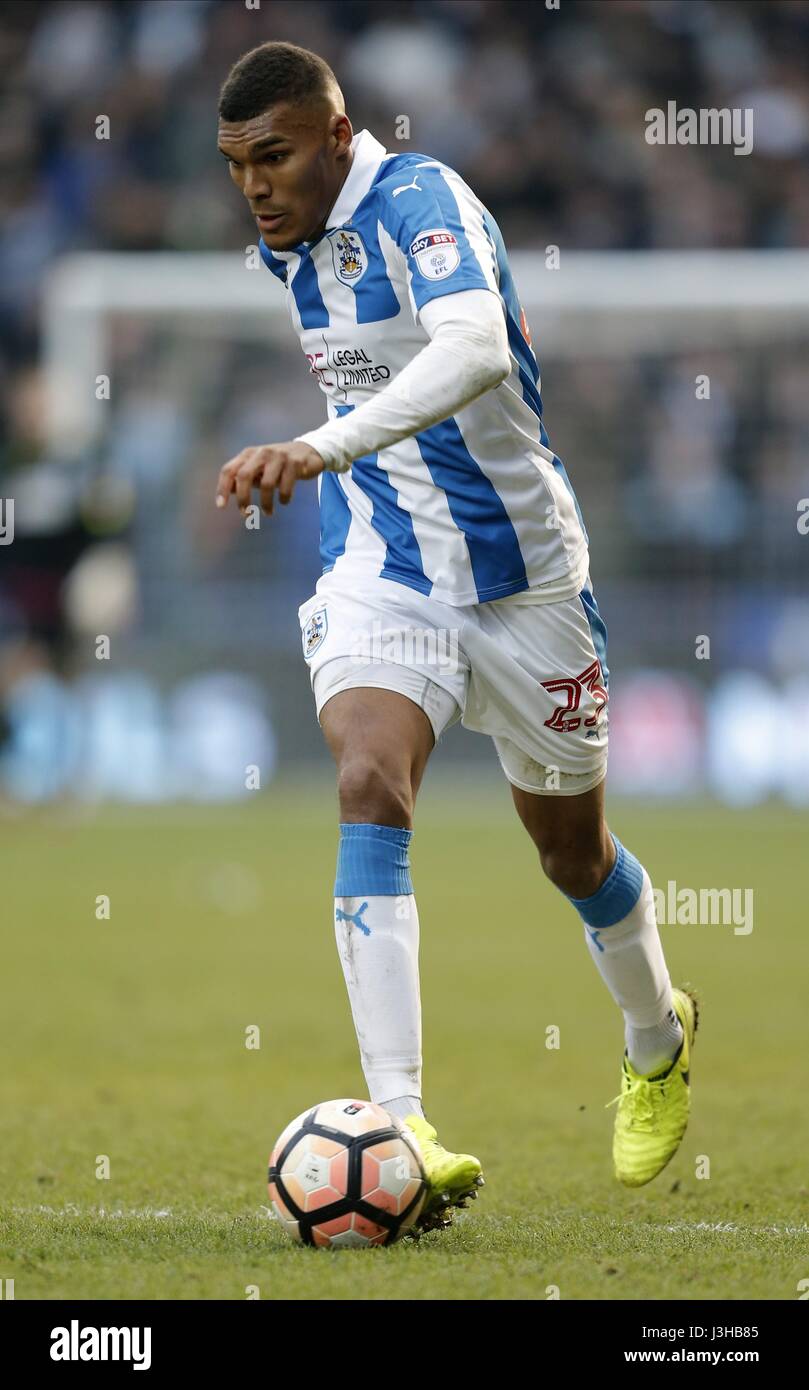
(290, 163)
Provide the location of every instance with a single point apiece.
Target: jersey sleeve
(438, 225)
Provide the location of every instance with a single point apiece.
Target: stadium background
(690, 505)
(140, 941)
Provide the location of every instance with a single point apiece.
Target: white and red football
(346, 1173)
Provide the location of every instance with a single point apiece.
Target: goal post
(677, 394)
(598, 303)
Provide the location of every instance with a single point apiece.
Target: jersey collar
(368, 155)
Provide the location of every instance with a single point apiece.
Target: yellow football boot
(653, 1110)
(453, 1179)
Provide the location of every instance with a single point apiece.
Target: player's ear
(342, 133)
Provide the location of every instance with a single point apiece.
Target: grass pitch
(126, 1038)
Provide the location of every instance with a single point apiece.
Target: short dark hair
(271, 73)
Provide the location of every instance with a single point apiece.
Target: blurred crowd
(543, 111)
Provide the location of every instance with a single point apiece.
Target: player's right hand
(271, 468)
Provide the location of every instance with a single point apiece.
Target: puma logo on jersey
(404, 187)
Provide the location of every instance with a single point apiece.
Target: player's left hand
(269, 467)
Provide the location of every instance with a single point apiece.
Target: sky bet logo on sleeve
(436, 253)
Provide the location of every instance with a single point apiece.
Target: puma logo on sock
(354, 917)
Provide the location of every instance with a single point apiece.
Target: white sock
(378, 944)
(629, 958)
(402, 1106)
(651, 1049)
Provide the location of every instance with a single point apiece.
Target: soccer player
(455, 579)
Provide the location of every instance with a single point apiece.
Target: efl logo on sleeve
(436, 253)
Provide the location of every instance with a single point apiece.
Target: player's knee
(374, 790)
(577, 868)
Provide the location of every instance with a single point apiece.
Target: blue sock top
(619, 892)
(373, 861)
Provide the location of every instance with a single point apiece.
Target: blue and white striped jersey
(472, 509)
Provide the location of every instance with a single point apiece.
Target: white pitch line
(733, 1228)
(267, 1214)
(70, 1209)
(137, 1213)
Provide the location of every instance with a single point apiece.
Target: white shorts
(530, 675)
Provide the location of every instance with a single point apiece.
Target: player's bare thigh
(571, 834)
(380, 741)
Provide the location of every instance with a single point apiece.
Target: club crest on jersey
(349, 256)
(436, 253)
(314, 632)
